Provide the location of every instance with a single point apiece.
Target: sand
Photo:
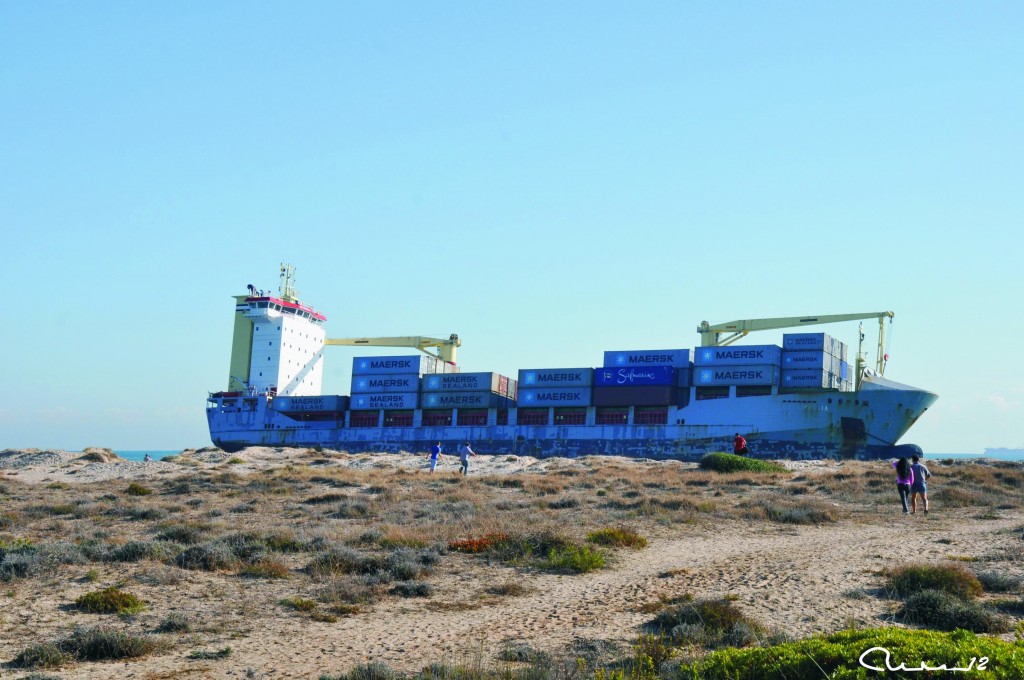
(800, 579)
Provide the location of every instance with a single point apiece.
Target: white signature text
(976, 664)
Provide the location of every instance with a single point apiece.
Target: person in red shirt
(739, 445)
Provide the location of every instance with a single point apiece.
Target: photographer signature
(981, 664)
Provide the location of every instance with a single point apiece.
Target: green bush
(954, 579)
(728, 462)
(44, 655)
(711, 623)
(573, 560)
(110, 601)
(944, 611)
(97, 644)
(837, 656)
(136, 489)
(618, 537)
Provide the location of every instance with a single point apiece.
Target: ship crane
(711, 336)
(446, 348)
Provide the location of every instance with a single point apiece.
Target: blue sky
(548, 180)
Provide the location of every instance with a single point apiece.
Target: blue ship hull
(814, 424)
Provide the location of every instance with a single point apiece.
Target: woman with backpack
(904, 480)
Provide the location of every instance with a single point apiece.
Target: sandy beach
(803, 552)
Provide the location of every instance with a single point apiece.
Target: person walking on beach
(147, 458)
(435, 453)
(464, 457)
(921, 476)
(904, 480)
(739, 445)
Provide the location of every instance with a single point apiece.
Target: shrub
(999, 581)
(136, 489)
(109, 601)
(478, 545)
(345, 592)
(299, 604)
(97, 644)
(709, 623)
(412, 589)
(175, 622)
(572, 559)
(43, 655)
(186, 534)
(945, 611)
(618, 537)
(135, 551)
(727, 462)
(836, 656)
(510, 589)
(267, 568)
(207, 557)
(954, 579)
(202, 654)
(370, 671)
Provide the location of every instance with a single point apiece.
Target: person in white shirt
(465, 454)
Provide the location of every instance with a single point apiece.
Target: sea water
(140, 455)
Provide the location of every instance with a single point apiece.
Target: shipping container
(513, 389)
(742, 355)
(811, 359)
(611, 415)
(819, 342)
(736, 375)
(396, 400)
(554, 396)
(804, 377)
(573, 415)
(646, 395)
(471, 417)
(461, 400)
(556, 377)
(398, 418)
(844, 351)
(684, 377)
(634, 375)
(679, 358)
(503, 385)
(385, 382)
(647, 415)
(413, 363)
(446, 367)
(462, 382)
(331, 403)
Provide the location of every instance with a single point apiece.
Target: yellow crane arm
(711, 335)
(445, 347)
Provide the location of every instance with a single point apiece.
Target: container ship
(803, 399)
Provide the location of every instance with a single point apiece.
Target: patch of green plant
(235, 461)
(837, 656)
(728, 462)
(98, 644)
(374, 670)
(175, 622)
(619, 537)
(299, 604)
(573, 559)
(999, 581)
(266, 568)
(207, 557)
(136, 489)
(110, 600)
(711, 623)
(941, 610)
(412, 589)
(954, 579)
(42, 655)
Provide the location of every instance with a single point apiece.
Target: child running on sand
(904, 480)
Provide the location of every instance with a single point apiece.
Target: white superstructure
(287, 347)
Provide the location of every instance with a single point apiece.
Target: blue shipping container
(413, 363)
(554, 396)
(738, 355)
(816, 360)
(736, 375)
(633, 375)
(649, 357)
(461, 400)
(806, 378)
(398, 400)
(684, 377)
(820, 342)
(385, 382)
(469, 382)
(331, 403)
(555, 377)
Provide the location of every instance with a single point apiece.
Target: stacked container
(744, 365)
(643, 377)
(390, 383)
(555, 387)
(464, 390)
(815, 361)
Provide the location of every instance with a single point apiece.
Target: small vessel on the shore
(801, 400)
